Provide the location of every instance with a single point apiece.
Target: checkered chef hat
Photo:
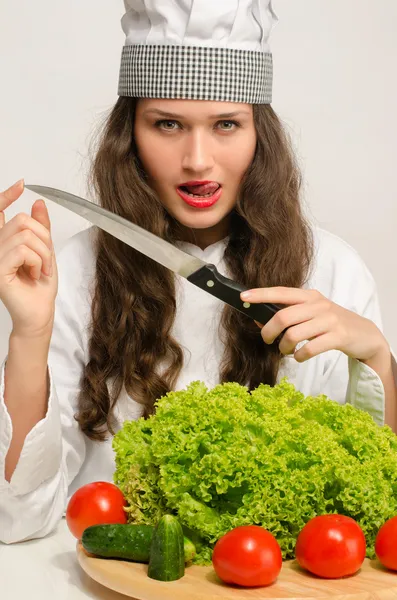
(198, 49)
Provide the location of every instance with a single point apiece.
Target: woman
(212, 172)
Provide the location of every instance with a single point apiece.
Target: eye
(228, 125)
(167, 125)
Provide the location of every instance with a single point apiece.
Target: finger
(287, 317)
(28, 239)
(22, 222)
(8, 197)
(40, 214)
(300, 333)
(277, 295)
(320, 344)
(20, 257)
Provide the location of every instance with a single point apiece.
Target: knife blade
(202, 274)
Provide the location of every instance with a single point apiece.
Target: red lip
(200, 202)
(195, 183)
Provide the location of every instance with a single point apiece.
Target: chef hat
(198, 49)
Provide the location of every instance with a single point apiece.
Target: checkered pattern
(197, 73)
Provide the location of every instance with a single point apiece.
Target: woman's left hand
(308, 315)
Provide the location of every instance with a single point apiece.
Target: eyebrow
(170, 115)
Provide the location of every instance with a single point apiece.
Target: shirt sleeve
(32, 503)
(363, 388)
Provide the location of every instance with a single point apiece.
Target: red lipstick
(200, 194)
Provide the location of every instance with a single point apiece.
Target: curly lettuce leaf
(226, 457)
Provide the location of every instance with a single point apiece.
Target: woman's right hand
(28, 271)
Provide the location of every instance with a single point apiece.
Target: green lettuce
(223, 457)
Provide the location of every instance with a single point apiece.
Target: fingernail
(18, 183)
(245, 295)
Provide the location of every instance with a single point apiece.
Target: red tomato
(248, 556)
(94, 504)
(331, 546)
(386, 544)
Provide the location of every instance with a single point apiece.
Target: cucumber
(189, 549)
(167, 561)
(128, 542)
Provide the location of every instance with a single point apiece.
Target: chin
(203, 218)
(199, 221)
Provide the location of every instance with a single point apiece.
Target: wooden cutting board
(372, 582)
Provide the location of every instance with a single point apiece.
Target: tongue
(202, 190)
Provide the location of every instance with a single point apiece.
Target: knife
(197, 271)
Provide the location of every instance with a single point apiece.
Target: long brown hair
(134, 306)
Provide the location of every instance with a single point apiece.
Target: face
(195, 154)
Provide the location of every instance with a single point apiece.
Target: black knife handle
(209, 279)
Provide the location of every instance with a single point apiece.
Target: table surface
(47, 569)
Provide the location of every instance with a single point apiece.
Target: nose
(197, 153)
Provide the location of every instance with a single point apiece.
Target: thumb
(40, 214)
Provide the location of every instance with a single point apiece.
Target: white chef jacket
(57, 458)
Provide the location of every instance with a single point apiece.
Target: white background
(335, 87)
